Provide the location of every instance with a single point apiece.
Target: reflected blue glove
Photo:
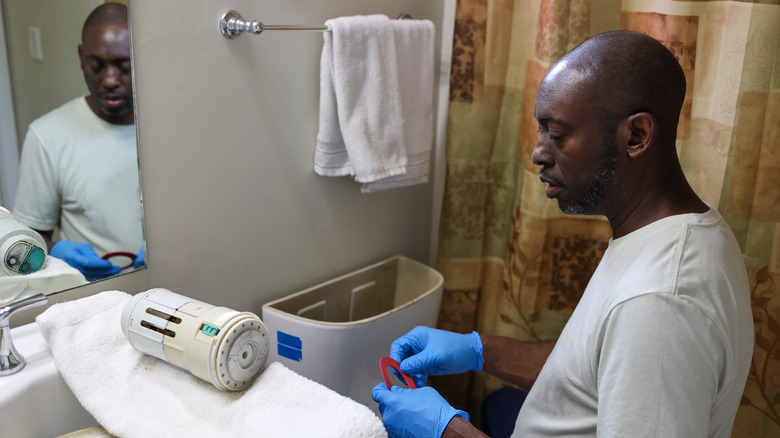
(83, 257)
(140, 259)
(411, 413)
(427, 351)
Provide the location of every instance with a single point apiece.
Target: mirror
(65, 91)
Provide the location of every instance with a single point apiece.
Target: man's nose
(540, 155)
(112, 78)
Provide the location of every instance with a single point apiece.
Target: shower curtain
(513, 264)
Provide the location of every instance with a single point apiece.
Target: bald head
(607, 114)
(107, 13)
(624, 73)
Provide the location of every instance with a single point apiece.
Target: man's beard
(601, 182)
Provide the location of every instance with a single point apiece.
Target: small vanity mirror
(68, 152)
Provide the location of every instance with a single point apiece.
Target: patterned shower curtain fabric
(514, 265)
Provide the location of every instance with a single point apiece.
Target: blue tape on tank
(289, 353)
(289, 340)
(289, 346)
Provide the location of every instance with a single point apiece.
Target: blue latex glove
(83, 257)
(427, 351)
(411, 413)
(140, 259)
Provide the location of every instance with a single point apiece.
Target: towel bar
(232, 25)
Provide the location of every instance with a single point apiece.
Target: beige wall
(234, 213)
(39, 87)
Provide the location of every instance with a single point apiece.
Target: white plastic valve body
(217, 344)
(23, 250)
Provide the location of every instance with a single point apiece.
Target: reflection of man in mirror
(79, 165)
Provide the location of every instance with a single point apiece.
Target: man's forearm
(515, 362)
(460, 428)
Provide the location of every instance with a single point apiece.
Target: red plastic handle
(130, 255)
(388, 361)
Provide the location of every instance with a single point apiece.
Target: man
(661, 342)
(79, 165)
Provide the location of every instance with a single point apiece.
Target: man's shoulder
(664, 236)
(67, 113)
(668, 255)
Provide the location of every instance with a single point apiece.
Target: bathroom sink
(36, 402)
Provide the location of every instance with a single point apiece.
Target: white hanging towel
(414, 45)
(133, 395)
(376, 101)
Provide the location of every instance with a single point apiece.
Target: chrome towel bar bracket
(232, 25)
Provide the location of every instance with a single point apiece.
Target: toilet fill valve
(217, 344)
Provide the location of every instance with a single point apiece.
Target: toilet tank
(336, 332)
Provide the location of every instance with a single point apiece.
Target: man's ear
(81, 57)
(643, 128)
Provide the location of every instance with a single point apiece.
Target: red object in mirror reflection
(130, 255)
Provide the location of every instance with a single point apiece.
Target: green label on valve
(209, 330)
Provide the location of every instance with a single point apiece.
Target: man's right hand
(427, 351)
(418, 412)
(83, 257)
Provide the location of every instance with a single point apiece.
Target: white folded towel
(55, 276)
(134, 395)
(376, 101)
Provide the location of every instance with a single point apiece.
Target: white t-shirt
(660, 343)
(80, 173)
